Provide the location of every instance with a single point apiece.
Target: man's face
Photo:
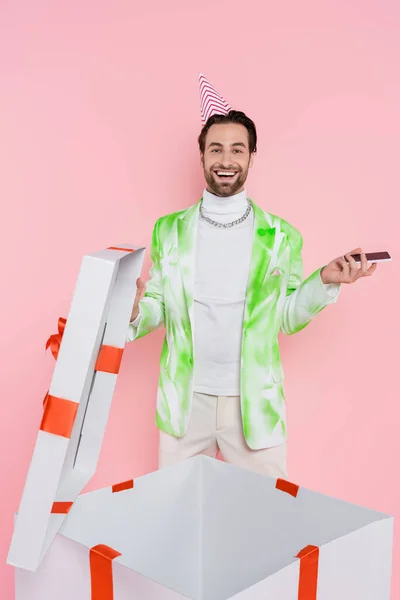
(226, 159)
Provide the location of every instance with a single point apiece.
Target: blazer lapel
(262, 252)
(187, 236)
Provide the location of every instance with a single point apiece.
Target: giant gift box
(200, 529)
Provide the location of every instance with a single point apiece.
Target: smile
(225, 174)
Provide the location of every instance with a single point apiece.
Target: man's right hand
(139, 295)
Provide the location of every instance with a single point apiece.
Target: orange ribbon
(125, 485)
(121, 249)
(308, 579)
(61, 508)
(59, 416)
(287, 486)
(54, 341)
(309, 556)
(101, 575)
(109, 359)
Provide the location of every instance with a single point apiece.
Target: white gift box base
(205, 530)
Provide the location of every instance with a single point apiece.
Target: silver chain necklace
(225, 225)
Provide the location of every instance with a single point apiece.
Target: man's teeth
(226, 173)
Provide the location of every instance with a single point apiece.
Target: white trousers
(216, 425)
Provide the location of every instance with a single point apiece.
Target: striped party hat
(211, 102)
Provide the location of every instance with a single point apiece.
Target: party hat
(211, 102)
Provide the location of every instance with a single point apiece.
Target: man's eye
(215, 150)
(238, 151)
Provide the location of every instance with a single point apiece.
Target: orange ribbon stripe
(109, 359)
(101, 575)
(59, 416)
(125, 485)
(122, 249)
(61, 508)
(308, 580)
(287, 486)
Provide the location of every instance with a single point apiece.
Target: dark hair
(233, 116)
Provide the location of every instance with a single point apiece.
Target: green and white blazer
(277, 299)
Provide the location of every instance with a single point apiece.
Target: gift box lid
(88, 351)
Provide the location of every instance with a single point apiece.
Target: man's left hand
(340, 270)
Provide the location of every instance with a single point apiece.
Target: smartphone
(374, 257)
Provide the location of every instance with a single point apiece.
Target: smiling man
(226, 278)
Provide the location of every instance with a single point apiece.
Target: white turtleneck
(222, 266)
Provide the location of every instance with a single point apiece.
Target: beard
(222, 187)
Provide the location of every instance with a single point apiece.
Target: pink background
(99, 115)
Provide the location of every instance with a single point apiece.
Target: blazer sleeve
(305, 298)
(151, 307)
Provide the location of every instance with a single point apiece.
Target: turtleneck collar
(230, 205)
